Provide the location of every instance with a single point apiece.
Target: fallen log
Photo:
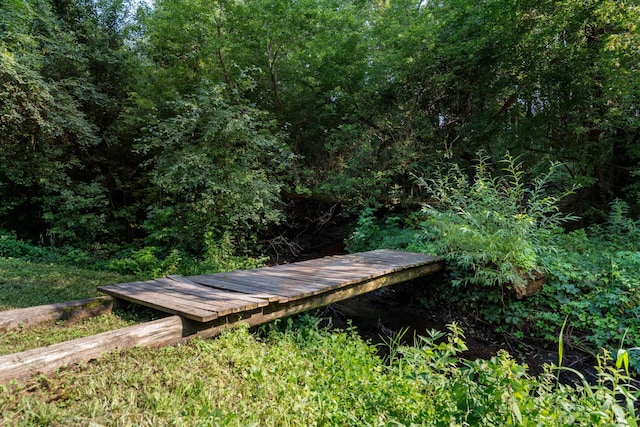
(71, 310)
(46, 360)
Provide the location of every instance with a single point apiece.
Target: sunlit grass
(27, 284)
(299, 376)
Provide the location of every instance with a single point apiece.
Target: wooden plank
(394, 257)
(210, 294)
(333, 274)
(271, 281)
(301, 285)
(71, 310)
(137, 292)
(296, 278)
(288, 291)
(277, 311)
(177, 297)
(46, 360)
(218, 283)
(221, 284)
(222, 306)
(219, 293)
(282, 283)
(337, 265)
(328, 279)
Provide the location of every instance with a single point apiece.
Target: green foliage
(371, 233)
(152, 261)
(593, 279)
(60, 67)
(217, 166)
(12, 247)
(146, 262)
(295, 374)
(492, 228)
(368, 93)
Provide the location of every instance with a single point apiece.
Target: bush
(593, 279)
(492, 228)
(12, 247)
(144, 262)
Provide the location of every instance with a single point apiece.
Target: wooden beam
(72, 310)
(46, 360)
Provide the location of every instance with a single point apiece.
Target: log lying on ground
(71, 310)
(46, 360)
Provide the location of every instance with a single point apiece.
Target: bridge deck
(310, 284)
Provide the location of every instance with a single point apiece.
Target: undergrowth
(143, 262)
(296, 374)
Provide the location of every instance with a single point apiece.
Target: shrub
(492, 228)
(594, 279)
(12, 247)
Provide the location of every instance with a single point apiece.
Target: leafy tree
(216, 170)
(57, 109)
(543, 80)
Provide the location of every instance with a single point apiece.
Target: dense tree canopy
(194, 118)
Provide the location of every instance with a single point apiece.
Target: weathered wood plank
(137, 292)
(237, 283)
(333, 274)
(218, 283)
(281, 283)
(222, 306)
(46, 360)
(259, 299)
(277, 284)
(207, 293)
(72, 310)
(393, 257)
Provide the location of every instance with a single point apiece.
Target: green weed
(492, 228)
(295, 374)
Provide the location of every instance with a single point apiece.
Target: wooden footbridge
(205, 305)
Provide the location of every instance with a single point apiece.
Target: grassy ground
(25, 284)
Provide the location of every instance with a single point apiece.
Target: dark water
(381, 315)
